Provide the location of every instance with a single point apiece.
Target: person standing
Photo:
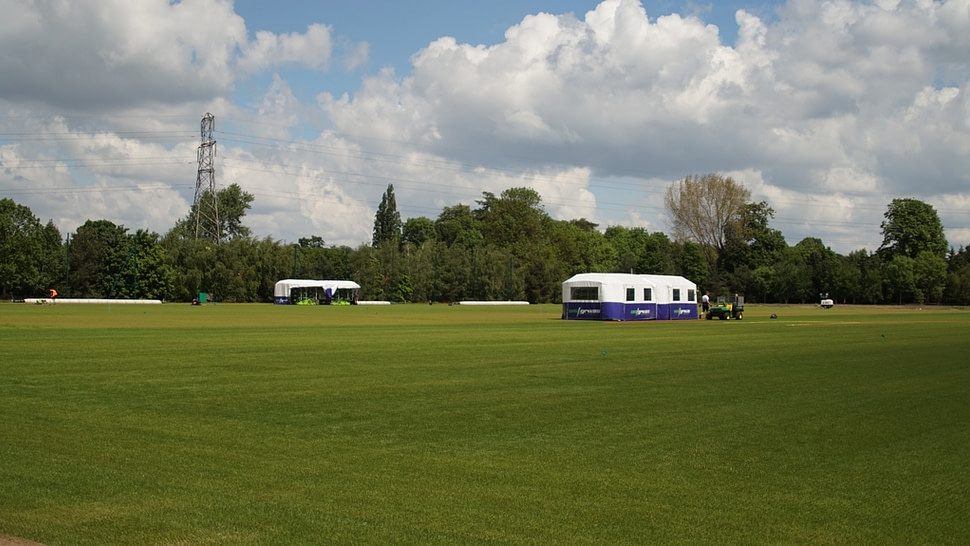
(706, 301)
(53, 296)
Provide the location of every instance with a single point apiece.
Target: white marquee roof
(283, 287)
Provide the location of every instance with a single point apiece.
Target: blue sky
(825, 110)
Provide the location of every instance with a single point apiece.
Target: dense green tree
(508, 248)
(628, 244)
(108, 262)
(418, 230)
(233, 203)
(594, 253)
(19, 247)
(821, 263)
(760, 283)
(584, 224)
(639, 251)
(792, 279)
(387, 221)
(958, 259)
(311, 242)
(751, 242)
(740, 281)
(958, 286)
(689, 262)
(751, 250)
(31, 256)
(562, 250)
(273, 262)
(901, 279)
(657, 257)
(145, 273)
(453, 273)
(861, 279)
(872, 281)
(458, 225)
(99, 259)
(53, 258)
(311, 259)
(847, 280)
(226, 274)
(570, 247)
(366, 269)
(911, 227)
(404, 290)
(192, 261)
(957, 289)
(178, 253)
(234, 273)
(513, 220)
(508, 284)
(391, 269)
(182, 254)
(541, 283)
(929, 276)
(339, 258)
(243, 269)
(421, 262)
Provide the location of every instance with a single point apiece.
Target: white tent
(297, 290)
(622, 296)
(676, 297)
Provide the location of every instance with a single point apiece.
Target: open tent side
(310, 291)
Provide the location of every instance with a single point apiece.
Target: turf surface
(261, 424)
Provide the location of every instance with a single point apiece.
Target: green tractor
(725, 311)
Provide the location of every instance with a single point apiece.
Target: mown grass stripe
(254, 424)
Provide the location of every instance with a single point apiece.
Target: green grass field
(262, 424)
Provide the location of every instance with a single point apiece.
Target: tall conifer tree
(387, 221)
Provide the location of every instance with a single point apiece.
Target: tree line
(505, 247)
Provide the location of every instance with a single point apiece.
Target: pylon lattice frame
(206, 204)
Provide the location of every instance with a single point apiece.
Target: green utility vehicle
(725, 310)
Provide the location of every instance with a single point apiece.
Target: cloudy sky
(827, 110)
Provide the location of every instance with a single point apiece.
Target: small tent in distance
(622, 296)
(311, 292)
